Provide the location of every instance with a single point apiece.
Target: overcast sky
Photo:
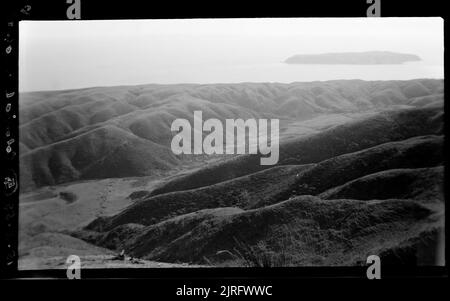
(58, 55)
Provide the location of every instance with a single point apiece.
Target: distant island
(354, 58)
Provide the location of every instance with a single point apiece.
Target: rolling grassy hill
(360, 172)
(304, 230)
(105, 152)
(383, 199)
(140, 116)
(280, 183)
(417, 183)
(342, 139)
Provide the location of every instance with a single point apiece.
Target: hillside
(280, 183)
(105, 152)
(56, 122)
(418, 183)
(301, 231)
(360, 172)
(338, 140)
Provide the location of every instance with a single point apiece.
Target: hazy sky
(75, 54)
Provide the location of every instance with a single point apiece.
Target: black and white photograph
(238, 142)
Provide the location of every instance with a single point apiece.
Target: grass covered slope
(241, 192)
(102, 153)
(140, 116)
(304, 230)
(417, 152)
(373, 186)
(347, 138)
(418, 183)
(280, 183)
(360, 172)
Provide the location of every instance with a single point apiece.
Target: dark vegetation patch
(68, 196)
